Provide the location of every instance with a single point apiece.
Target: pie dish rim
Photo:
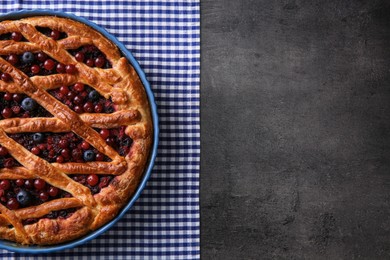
(15, 247)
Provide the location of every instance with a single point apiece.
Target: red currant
(13, 203)
(3, 151)
(100, 61)
(78, 87)
(19, 182)
(92, 179)
(39, 184)
(78, 109)
(35, 150)
(5, 184)
(85, 145)
(29, 184)
(88, 107)
(61, 68)
(16, 36)
(70, 69)
(64, 90)
(8, 96)
(99, 157)
(53, 191)
(6, 77)
(55, 35)
(35, 69)
(7, 112)
(17, 97)
(90, 62)
(44, 196)
(41, 56)
(13, 59)
(79, 56)
(49, 64)
(104, 133)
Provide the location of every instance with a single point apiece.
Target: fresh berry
(104, 133)
(38, 137)
(9, 162)
(99, 157)
(28, 57)
(53, 191)
(39, 184)
(89, 156)
(93, 95)
(29, 184)
(3, 151)
(6, 77)
(79, 56)
(90, 62)
(61, 68)
(35, 69)
(16, 109)
(85, 145)
(44, 196)
(60, 159)
(17, 97)
(55, 35)
(29, 104)
(98, 108)
(63, 143)
(100, 61)
(78, 87)
(92, 179)
(70, 69)
(16, 36)
(7, 96)
(12, 203)
(24, 198)
(5, 184)
(88, 107)
(19, 182)
(49, 64)
(35, 150)
(7, 112)
(13, 59)
(41, 56)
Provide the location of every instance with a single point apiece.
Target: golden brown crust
(120, 83)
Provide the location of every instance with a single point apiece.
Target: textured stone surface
(295, 129)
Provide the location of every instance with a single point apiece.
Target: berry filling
(92, 56)
(83, 99)
(58, 214)
(38, 64)
(54, 34)
(20, 105)
(16, 36)
(68, 147)
(21, 193)
(95, 182)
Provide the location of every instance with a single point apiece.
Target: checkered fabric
(163, 36)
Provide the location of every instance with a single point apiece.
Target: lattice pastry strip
(118, 83)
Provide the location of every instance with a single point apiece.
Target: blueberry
(24, 197)
(38, 137)
(89, 156)
(93, 95)
(28, 57)
(29, 104)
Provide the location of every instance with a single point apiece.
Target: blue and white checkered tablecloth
(164, 37)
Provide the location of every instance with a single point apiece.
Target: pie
(75, 130)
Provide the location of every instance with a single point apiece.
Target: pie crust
(120, 83)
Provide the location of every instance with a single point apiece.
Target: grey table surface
(295, 129)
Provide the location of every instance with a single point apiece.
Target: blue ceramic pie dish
(54, 248)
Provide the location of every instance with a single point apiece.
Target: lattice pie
(75, 130)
